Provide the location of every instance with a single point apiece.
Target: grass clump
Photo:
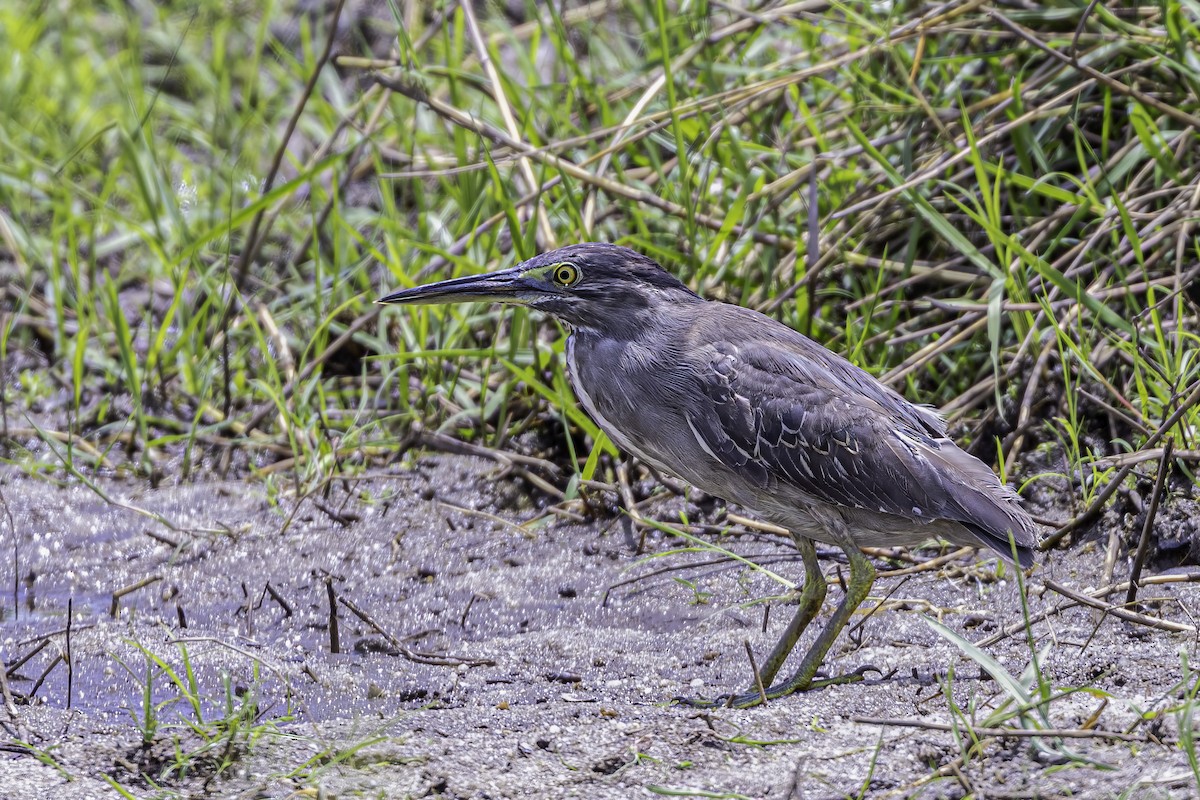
(990, 208)
(187, 732)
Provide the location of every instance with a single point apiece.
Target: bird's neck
(628, 322)
(638, 341)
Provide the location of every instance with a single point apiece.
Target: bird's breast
(625, 387)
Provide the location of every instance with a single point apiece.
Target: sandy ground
(552, 680)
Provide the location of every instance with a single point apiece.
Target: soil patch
(502, 662)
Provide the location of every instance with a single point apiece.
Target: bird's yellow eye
(565, 275)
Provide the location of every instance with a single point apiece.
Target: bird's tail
(1003, 544)
(986, 507)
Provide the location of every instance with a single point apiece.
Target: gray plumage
(747, 409)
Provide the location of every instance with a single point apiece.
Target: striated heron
(745, 408)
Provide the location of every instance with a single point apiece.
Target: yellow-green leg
(862, 576)
(812, 597)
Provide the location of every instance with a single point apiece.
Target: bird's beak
(505, 286)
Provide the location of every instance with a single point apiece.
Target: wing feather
(840, 437)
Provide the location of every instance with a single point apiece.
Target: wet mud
(489, 651)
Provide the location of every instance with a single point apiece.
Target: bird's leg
(862, 575)
(811, 599)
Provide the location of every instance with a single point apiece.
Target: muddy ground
(547, 689)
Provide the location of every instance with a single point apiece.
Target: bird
(747, 409)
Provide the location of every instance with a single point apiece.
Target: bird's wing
(781, 416)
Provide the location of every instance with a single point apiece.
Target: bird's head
(588, 286)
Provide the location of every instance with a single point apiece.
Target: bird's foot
(756, 697)
(857, 676)
(747, 700)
